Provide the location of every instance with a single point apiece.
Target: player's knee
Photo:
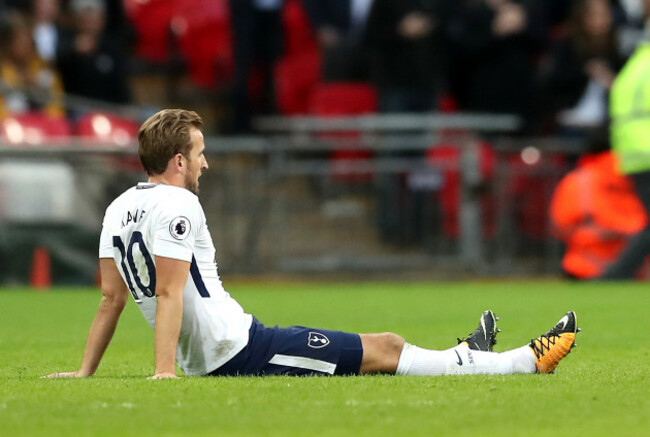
(392, 343)
(381, 352)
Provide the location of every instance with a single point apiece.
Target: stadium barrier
(440, 195)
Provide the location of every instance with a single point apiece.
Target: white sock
(461, 360)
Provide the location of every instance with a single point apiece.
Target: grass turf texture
(600, 389)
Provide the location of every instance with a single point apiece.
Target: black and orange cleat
(550, 348)
(485, 336)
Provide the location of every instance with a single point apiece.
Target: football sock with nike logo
(461, 360)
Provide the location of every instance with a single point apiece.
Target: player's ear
(178, 161)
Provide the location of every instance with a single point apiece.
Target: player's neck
(166, 180)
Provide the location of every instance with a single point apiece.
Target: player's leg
(383, 353)
(471, 356)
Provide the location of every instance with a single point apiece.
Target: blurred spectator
(331, 19)
(496, 44)
(630, 127)
(117, 24)
(406, 42)
(28, 83)
(257, 43)
(46, 33)
(580, 68)
(595, 212)
(339, 26)
(90, 60)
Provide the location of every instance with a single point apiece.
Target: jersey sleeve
(176, 229)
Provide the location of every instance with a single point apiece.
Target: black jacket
(397, 61)
(100, 75)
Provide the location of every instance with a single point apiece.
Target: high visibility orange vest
(595, 211)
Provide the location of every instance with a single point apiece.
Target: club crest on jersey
(317, 340)
(180, 228)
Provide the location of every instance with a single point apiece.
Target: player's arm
(171, 276)
(114, 297)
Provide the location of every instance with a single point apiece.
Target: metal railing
(397, 133)
(278, 202)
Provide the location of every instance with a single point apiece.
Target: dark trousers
(638, 248)
(400, 210)
(257, 42)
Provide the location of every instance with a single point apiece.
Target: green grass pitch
(602, 388)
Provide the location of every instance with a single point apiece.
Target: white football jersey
(151, 220)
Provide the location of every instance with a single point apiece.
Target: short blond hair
(163, 135)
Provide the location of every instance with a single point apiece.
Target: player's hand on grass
(76, 374)
(163, 375)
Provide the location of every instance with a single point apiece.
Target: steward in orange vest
(594, 211)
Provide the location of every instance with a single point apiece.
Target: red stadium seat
(201, 29)
(107, 127)
(34, 128)
(151, 20)
(345, 98)
(103, 127)
(298, 71)
(204, 37)
(295, 77)
(298, 32)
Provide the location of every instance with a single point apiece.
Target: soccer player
(155, 246)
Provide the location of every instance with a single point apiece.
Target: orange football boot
(550, 348)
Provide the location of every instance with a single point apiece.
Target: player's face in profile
(196, 162)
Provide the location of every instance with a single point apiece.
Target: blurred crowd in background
(551, 62)
(98, 67)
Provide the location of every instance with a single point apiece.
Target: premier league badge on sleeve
(180, 228)
(317, 340)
